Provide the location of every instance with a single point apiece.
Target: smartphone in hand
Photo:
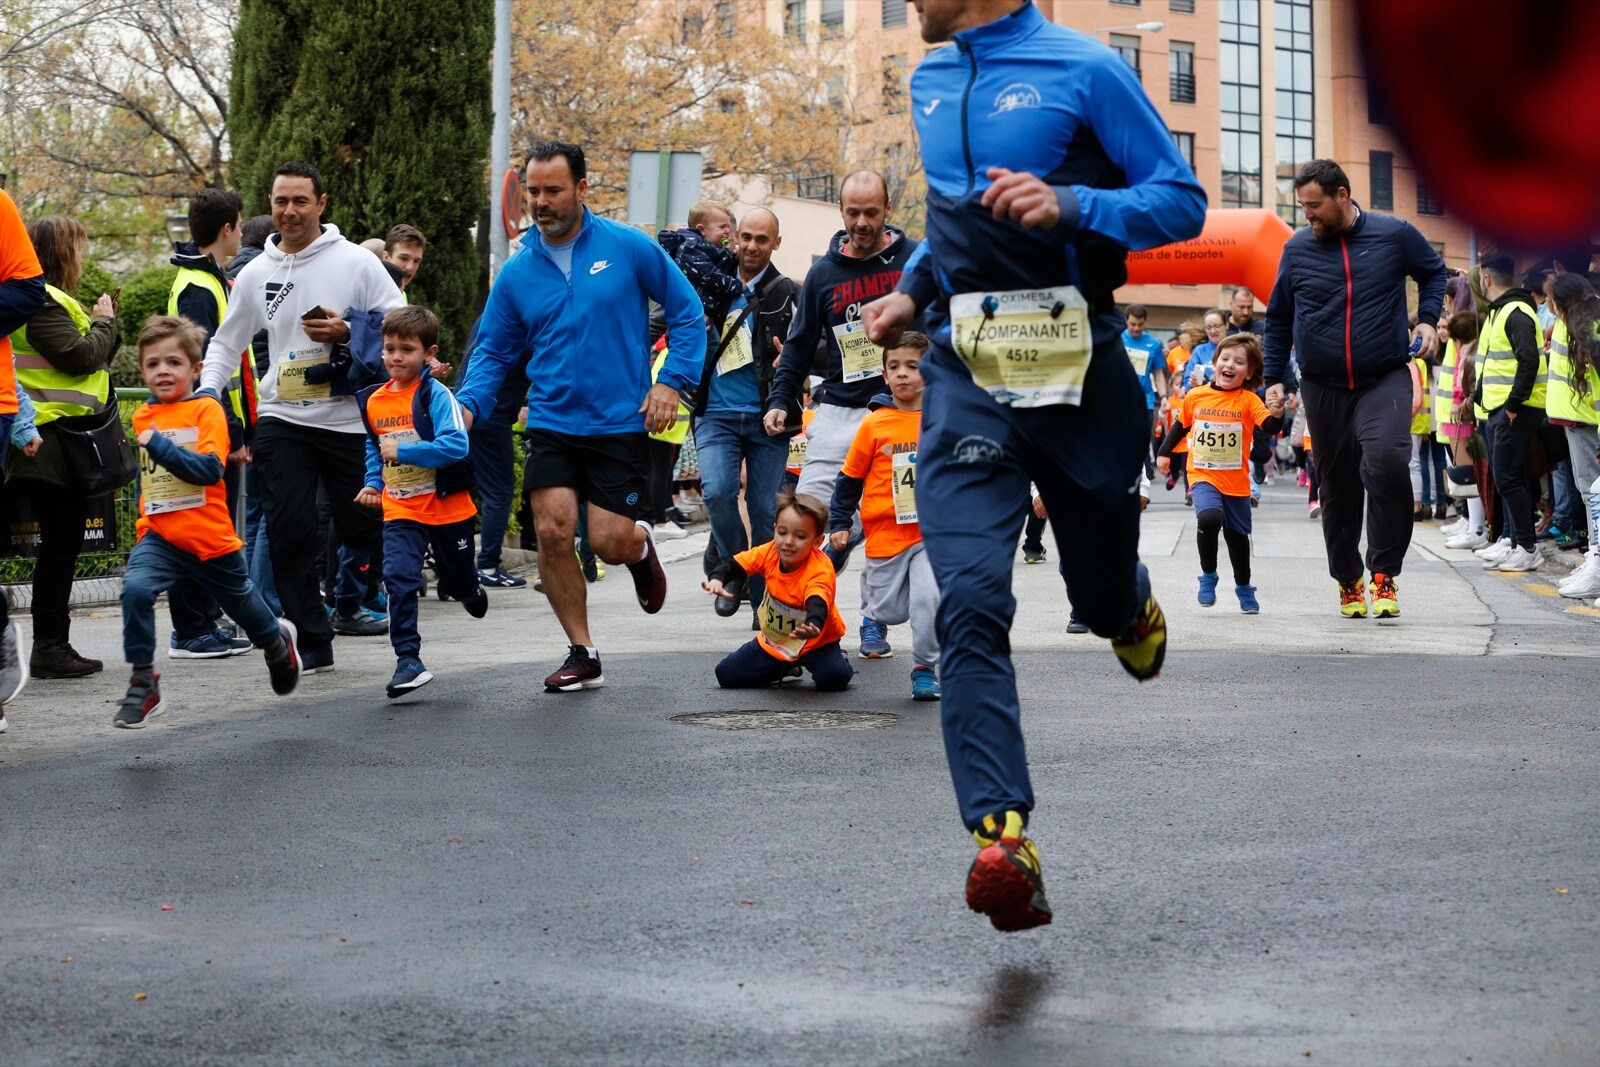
(315, 314)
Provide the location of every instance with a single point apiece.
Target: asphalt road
(1360, 843)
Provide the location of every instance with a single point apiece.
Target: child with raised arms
(880, 476)
(1219, 421)
(184, 528)
(417, 471)
(800, 626)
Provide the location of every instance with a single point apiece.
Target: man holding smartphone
(306, 433)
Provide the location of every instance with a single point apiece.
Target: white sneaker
(670, 531)
(1467, 540)
(1455, 528)
(1519, 559)
(1584, 582)
(1499, 548)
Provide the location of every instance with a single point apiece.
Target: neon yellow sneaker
(1353, 599)
(1385, 601)
(1144, 646)
(1005, 881)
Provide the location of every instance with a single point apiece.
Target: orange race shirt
(1175, 363)
(784, 606)
(884, 456)
(1220, 423)
(408, 491)
(17, 260)
(193, 518)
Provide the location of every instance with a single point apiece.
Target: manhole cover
(788, 720)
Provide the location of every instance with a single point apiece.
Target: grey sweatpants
(1583, 446)
(899, 589)
(1363, 449)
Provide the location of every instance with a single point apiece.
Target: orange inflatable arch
(1239, 246)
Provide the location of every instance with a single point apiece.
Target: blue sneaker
(1208, 590)
(378, 606)
(1247, 599)
(875, 640)
(409, 676)
(924, 684)
(206, 646)
(239, 645)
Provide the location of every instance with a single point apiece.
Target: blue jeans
(154, 566)
(724, 441)
(1569, 504)
(494, 466)
(258, 558)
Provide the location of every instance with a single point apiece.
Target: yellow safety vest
(55, 393)
(1563, 401)
(1444, 385)
(1422, 421)
(188, 276)
(1497, 363)
(680, 429)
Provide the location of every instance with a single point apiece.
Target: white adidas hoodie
(271, 293)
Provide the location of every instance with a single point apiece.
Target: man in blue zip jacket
(577, 299)
(1046, 164)
(1340, 303)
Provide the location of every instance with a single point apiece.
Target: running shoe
(283, 662)
(649, 580)
(1208, 590)
(1143, 646)
(679, 516)
(1581, 584)
(580, 671)
(1353, 599)
(240, 645)
(874, 640)
(1518, 560)
(728, 606)
(316, 660)
(142, 701)
(497, 578)
(1566, 541)
(1076, 625)
(1467, 540)
(477, 606)
(669, 531)
(359, 623)
(593, 569)
(2, 720)
(410, 675)
(1454, 528)
(924, 684)
(1314, 509)
(1500, 547)
(206, 646)
(1385, 598)
(1188, 500)
(1248, 604)
(377, 605)
(1302, 480)
(1033, 555)
(1005, 881)
(12, 675)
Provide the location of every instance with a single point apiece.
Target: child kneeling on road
(800, 625)
(417, 471)
(1223, 418)
(184, 528)
(880, 476)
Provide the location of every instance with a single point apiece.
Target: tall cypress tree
(390, 100)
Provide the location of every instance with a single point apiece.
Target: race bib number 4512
(1027, 348)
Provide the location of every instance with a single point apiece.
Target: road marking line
(1584, 609)
(1541, 589)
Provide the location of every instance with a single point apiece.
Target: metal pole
(500, 145)
(1472, 247)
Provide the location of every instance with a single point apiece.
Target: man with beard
(577, 300)
(864, 261)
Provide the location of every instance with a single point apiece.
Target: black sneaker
(477, 606)
(143, 701)
(359, 623)
(1033, 555)
(316, 659)
(410, 675)
(283, 663)
(649, 580)
(580, 671)
(497, 578)
(728, 606)
(677, 516)
(1076, 625)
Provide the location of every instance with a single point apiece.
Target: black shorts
(608, 470)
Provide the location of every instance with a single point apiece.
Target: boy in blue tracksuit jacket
(1046, 163)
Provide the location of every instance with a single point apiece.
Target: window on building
(1239, 86)
(894, 84)
(894, 13)
(832, 18)
(1185, 143)
(694, 26)
(794, 18)
(817, 187)
(1180, 71)
(1375, 114)
(1382, 167)
(727, 18)
(1181, 7)
(1427, 200)
(1126, 3)
(1126, 46)
(1295, 142)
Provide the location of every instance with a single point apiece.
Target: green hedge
(143, 295)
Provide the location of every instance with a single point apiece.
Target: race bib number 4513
(1027, 348)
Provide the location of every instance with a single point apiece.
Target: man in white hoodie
(305, 435)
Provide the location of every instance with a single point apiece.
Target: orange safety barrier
(1239, 246)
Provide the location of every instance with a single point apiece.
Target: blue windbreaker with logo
(1029, 95)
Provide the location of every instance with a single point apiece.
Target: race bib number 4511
(1027, 348)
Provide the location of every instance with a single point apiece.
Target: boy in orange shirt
(880, 476)
(1223, 417)
(417, 471)
(800, 625)
(184, 528)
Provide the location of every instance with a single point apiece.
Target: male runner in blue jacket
(1045, 164)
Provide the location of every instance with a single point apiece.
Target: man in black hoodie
(864, 262)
